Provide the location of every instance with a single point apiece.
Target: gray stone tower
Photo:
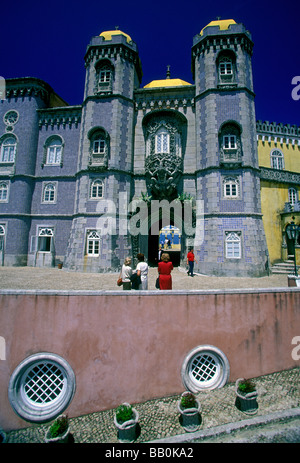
(227, 161)
(104, 171)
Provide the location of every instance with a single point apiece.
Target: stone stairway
(285, 267)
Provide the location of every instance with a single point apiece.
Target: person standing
(165, 268)
(190, 262)
(142, 271)
(126, 273)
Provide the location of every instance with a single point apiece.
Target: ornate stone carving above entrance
(163, 173)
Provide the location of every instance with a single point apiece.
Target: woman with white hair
(126, 273)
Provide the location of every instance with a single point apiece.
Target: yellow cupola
(222, 23)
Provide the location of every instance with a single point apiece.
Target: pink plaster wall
(130, 347)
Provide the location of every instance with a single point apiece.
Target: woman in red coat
(165, 268)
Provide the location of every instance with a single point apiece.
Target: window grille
(97, 189)
(41, 387)
(3, 191)
(205, 367)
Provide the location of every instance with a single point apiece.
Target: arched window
(3, 191)
(93, 243)
(226, 68)
(45, 237)
(97, 189)
(49, 194)
(230, 144)
(233, 245)
(104, 77)
(8, 149)
(277, 160)
(99, 149)
(162, 141)
(293, 196)
(53, 151)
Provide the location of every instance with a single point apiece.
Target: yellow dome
(222, 23)
(107, 35)
(167, 83)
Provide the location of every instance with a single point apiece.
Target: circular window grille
(205, 367)
(41, 387)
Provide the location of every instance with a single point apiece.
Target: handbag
(157, 283)
(119, 282)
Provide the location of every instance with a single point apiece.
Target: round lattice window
(41, 387)
(205, 367)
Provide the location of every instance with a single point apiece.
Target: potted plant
(189, 408)
(126, 420)
(246, 396)
(59, 431)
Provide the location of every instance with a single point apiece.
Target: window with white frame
(93, 243)
(225, 66)
(8, 150)
(105, 74)
(233, 245)
(45, 237)
(231, 188)
(162, 141)
(49, 193)
(3, 191)
(277, 160)
(41, 387)
(293, 196)
(229, 142)
(99, 145)
(54, 151)
(96, 189)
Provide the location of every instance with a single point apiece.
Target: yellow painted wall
(273, 197)
(291, 155)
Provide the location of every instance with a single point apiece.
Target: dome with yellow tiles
(107, 35)
(167, 83)
(222, 23)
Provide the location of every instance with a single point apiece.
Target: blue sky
(48, 40)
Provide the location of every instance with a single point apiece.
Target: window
(8, 150)
(99, 149)
(225, 66)
(3, 191)
(105, 75)
(99, 146)
(96, 189)
(293, 196)
(54, 152)
(49, 195)
(231, 188)
(41, 387)
(277, 160)
(229, 142)
(162, 141)
(45, 237)
(205, 367)
(93, 243)
(233, 245)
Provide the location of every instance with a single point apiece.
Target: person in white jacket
(142, 271)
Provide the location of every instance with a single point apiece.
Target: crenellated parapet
(56, 117)
(277, 130)
(29, 86)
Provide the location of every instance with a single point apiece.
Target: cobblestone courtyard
(60, 279)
